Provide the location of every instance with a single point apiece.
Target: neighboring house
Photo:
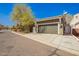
(1, 27)
(54, 25)
(75, 24)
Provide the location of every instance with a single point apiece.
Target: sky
(40, 10)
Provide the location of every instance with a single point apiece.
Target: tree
(22, 15)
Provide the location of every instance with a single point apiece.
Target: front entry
(67, 29)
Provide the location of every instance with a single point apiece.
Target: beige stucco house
(54, 25)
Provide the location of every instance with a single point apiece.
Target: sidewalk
(62, 42)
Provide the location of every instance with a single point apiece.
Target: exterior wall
(62, 22)
(67, 27)
(54, 21)
(75, 21)
(48, 21)
(68, 18)
(75, 25)
(34, 30)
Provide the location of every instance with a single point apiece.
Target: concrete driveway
(63, 42)
(68, 44)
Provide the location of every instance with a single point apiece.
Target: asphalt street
(15, 45)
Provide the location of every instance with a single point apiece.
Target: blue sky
(40, 10)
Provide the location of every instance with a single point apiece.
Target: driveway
(68, 43)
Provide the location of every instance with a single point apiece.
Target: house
(54, 25)
(75, 24)
(1, 26)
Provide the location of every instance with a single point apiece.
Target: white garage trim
(49, 24)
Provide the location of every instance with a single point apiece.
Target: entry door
(67, 29)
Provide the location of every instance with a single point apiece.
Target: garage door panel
(48, 29)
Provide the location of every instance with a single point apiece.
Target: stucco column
(34, 31)
(37, 28)
(58, 28)
(59, 24)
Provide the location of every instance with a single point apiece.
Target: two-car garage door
(53, 28)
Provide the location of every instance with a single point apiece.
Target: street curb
(49, 44)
